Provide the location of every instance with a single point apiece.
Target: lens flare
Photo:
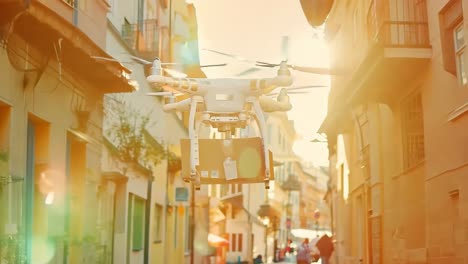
(43, 250)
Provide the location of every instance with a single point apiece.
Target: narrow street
(233, 131)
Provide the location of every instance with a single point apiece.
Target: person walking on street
(258, 259)
(303, 253)
(325, 246)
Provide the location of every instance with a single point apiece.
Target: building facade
(51, 107)
(158, 200)
(395, 125)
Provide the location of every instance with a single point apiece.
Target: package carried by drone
(239, 160)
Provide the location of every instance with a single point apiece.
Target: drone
(225, 104)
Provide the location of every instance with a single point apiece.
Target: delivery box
(224, 161)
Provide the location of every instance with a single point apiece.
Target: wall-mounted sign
(181, 194)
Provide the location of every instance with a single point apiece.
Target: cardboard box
(217, 155)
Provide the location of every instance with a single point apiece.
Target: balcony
(143, 38)
(398, 50)
(398, 23)
(40, 27)
(232, 193)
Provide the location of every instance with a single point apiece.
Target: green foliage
(12, 249)
(128, 134)
(174, 162)
(4, 156)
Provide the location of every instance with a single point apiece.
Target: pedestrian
(325, 246)
(303, 253)
(258, 259)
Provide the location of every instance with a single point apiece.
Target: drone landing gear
(195, 179)
(267, 179)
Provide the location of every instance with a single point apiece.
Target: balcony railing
(142, 37)
(398, 23)
(231, 189)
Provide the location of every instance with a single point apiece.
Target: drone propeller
(285, 55)
(145, 62)
(294, 90)
(248, 71)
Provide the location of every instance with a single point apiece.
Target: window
(157, 221)
(412, 130)
(138, 223)
(240, 241)
(233, 242)
(459, 44)
(236, 242)
(451, 18)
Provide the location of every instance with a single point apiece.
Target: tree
(128, 132)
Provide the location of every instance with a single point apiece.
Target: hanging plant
(174, 163)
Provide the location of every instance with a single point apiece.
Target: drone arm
(267, 85)
(280, 80)
(193, 134)
(182, 85)
(177, 106)
(269, 105)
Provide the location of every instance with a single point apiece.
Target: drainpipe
(148, 218)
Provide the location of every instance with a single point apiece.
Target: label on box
(230, 169)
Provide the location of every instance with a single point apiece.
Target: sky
(254, 30)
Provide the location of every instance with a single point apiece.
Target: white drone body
(225, 104)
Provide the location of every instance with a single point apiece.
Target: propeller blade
(285, 50)
(239, 58)
(213, 65)
(248, 71)
(140, 60)
(315, 70)
(110, 59)
(266, 64)
(305, 87)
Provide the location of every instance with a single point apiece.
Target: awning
(41, 27)
(309, 233)
(216, 240)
